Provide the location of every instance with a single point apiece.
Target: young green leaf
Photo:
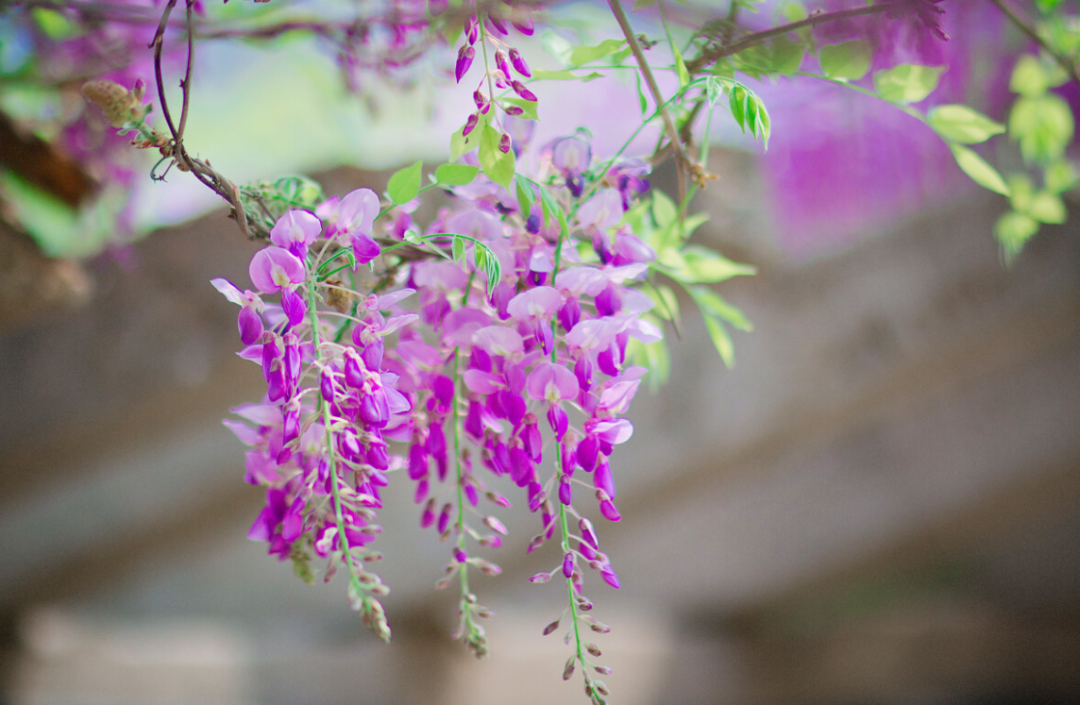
(1047, 208)
(1014, 229)
(457, 248)
(907, 83)
(1059, 176)
(456, 174)
(1043, 126)
(680, 66)
(528, 106)
(721, 339)
(524, 198)
(960, 123)
(405, 184)
(848, 61)
(498, 165)
(584, 55)
(980, 172)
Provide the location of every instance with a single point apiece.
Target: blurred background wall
(879, 504)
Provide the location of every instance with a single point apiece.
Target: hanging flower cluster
(494, 348)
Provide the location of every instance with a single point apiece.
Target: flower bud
(465, 58)
(522, 91)
(551, 627)
(472, 29)
(540, 578)
(569, 669)
(495, 525)
(513, 110)
(498, 499)
(500, 62)
(504, 143)
(519, 63)
(568, 565)
(470, 125)
(593, 649)
(610, 512)
(497, 24)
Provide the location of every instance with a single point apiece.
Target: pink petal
(540, 302)
(551, 382)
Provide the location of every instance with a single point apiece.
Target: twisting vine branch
(1026, 28)
(683, 161)
(712, 54)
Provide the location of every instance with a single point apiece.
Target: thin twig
(682, 160)
(708, 56)
(1065, 62)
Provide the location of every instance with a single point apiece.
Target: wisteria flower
(274, 268)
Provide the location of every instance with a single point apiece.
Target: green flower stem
(335, 481)
(463, 568)
(565, 544)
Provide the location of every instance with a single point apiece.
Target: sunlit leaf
(848, 61)
(907, 83)
(960, 123)
(979, 170)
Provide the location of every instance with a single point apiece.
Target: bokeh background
(880, 502)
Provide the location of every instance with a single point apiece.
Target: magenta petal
(610, 578)
(296, 228)
(568, 565)
(609, 511)
(602, 479)
(365, 248)
(273, 268)
(250, 324)
(263, 527)
(551, 382)
(294, 307)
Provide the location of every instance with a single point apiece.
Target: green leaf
(664, 209)
(667, 305)
(1021, 192)
(1032, 78)
(764, 123)
(1047, 208)
(456, 174)
(583, 55)
(1013, 230)
(556, 46)
(907, 83)
(52, 23)
(703, 266)
(524, 198)
(736, 104)
(459, 144)
(980, 172)
(498, 165)
(1043, 126)
(457, 248)
(405, 184)
(554, 75)
(642, 101)
(721, 339)
(413, 237)
(643, 4)
(680, 66)
(529, 106)
(848, 61)
(787, 56)
(1059, 176)
(960, 123)
(710, 301)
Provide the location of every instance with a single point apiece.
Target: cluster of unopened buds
(510, 66)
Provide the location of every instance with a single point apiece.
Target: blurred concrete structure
(880, 504)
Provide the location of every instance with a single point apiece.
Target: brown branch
(1065, 62)
(708, 56)
(682, 160)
